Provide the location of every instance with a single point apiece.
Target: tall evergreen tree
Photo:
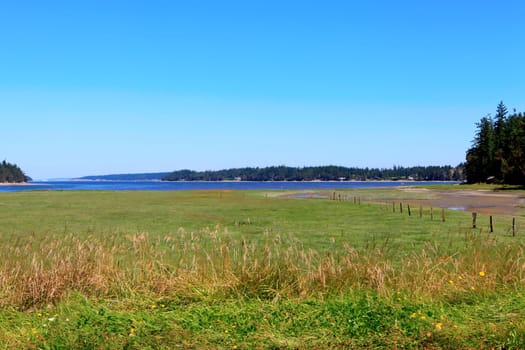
(480, 156)
(500, 141)
(513, 150)
(498, 149)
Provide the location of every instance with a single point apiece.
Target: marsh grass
(205, 270)
(211, 263)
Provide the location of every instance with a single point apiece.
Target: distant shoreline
(240, 181)
(331, 173)
(208, 185)
(16, 184)
(299, 181)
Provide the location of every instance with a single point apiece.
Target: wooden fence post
(393, 207)
(409, 213)
(401, 208)
(474, 216)
(491, 225)
(513, 227)
(443, 214)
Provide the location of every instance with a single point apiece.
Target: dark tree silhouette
(321, 173)
(498, 149)
(11, 173)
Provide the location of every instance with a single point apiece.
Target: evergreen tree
(481, 155)
(11, 173)
(498, 149)
(500, 123)
(513, 162)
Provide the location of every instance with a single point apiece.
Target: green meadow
(255, 270)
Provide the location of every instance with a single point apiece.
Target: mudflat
(482, 201)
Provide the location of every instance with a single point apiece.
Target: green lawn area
(253, 269)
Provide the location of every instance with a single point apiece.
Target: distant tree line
(12, 173)
(498, 149)
(321, 173)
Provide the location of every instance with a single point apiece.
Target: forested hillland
(11, 173)
(321, 173)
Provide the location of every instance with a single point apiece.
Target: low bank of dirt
(481, 201)
(495, 202)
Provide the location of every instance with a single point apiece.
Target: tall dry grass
(209, 263)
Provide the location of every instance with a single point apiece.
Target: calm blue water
(198, 185)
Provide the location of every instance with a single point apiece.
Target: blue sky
(99, 87)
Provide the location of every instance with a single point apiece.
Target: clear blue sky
(99, 87)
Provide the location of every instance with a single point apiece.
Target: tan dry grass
(208, 263)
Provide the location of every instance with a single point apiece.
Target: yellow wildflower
(414, 315)
(439, 325)
(482, 273)
(450, 282)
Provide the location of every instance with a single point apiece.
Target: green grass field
(251, 270)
